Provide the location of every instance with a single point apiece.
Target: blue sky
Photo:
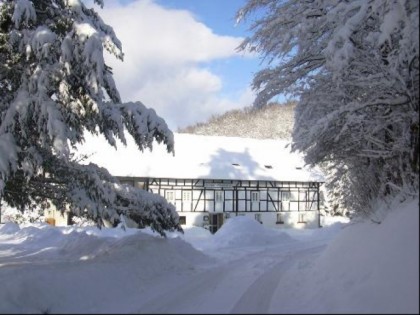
(181, 58)
(219, 15)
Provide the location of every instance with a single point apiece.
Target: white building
(210, 179)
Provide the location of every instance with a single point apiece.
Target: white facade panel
(229, 205)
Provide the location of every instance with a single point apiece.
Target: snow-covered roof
(210, 157)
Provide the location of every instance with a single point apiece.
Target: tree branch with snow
(54, 87)
(354, 66)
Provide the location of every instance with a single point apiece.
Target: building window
(301, 218)
(127, 182)
(186, 196)
(140, 184)
(285, 200)
(170, 196)
(258, 217)
(303, 196)
(280, 218)
(219, 196)
(255, 196)
(285, 196)
(182, 220)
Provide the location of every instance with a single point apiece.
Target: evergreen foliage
(54, 87)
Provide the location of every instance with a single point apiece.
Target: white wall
(269, 219)
(58, 218)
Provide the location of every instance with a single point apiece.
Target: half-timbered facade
(209, 202)
(211, 179)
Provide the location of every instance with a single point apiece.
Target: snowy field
(344, 267)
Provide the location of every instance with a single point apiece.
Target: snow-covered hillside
(244, 268)
(273, 121)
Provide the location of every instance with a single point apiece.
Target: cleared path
(242, 285)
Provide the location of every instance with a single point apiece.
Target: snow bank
(375, 271)
(51, 267)
(245, 231)
(361, 267)
(367, 268)
(9, 228)
(334, 226)
(74, 243)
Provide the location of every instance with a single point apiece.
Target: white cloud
(167, 62)
(188, 95)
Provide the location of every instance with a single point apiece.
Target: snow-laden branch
(55, 85)
(354, 66)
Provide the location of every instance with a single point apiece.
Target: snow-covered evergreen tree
(54, 87)
(355, 67)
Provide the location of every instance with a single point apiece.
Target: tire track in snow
(186, 294)
(250, 287)
(257, 298)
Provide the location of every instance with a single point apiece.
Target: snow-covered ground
(344, 267)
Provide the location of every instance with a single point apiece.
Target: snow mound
(39, 233)
(196, 232)
(245, 231)
(81, 245)
(90, 258)
(49, 243)
(9, 228)
(368, 268)
(154, 253)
